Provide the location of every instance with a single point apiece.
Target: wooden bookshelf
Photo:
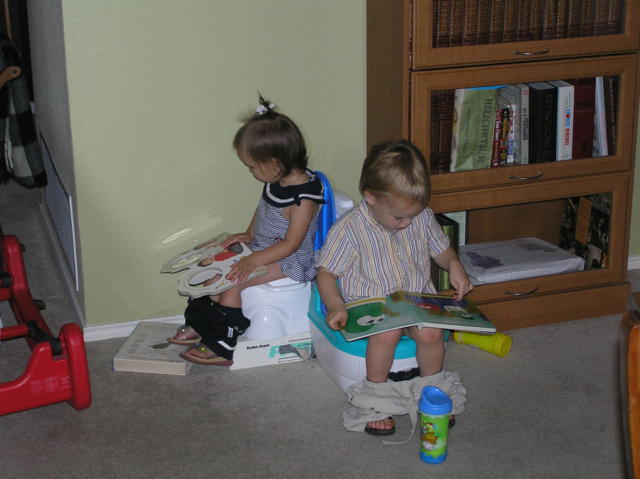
(410, 64)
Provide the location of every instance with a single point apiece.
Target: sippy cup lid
(434, 401)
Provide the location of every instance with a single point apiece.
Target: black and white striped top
(271, 226)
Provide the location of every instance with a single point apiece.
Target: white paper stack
(496, 261)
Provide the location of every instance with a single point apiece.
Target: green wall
(156, 92)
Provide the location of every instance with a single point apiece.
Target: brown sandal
(185, 330)
(213, 360)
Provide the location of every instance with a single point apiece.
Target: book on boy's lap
(146, 350)
(402, 309)
(208, 265)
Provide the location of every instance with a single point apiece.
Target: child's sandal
(382, 432)
(189, 336)
(212, 359)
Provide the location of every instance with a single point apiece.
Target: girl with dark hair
(280, 233)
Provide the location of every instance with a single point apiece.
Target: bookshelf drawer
(459, 32)
(554, 308)
(432, 119)
(538, 239)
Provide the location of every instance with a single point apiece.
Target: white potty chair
(276, 309)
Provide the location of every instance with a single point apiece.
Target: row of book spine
(478, 22)
(475, 128)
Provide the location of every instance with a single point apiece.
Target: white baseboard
(634, 262)
(122, 330)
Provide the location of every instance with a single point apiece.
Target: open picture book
(401, 309)
(205, 267)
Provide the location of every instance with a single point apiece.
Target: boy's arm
(336, 312)
(458, 278)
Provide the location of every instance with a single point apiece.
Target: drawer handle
(527, 178)
(530, 54)
(528, 293)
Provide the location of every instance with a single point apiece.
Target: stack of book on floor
(146, 350)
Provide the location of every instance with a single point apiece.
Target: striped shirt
(271, 226)
(371, 260)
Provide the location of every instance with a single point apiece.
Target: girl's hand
(236, 238)
(459, 280)
(337, 318)
(241, 270)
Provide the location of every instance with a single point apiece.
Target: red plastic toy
(57, 370)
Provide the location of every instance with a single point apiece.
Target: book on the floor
(207, 266)
(402, 309)
(146, 350)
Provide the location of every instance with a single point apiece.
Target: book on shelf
(509, 260)
(601, 17)
(146, 350)
(402, 309)
(516, 98)
(542, 122)
(564, 119)
(535, 19)
(496, 27)
(610, 84)
(441, 23)
(585, 228)
(510, 22)
(470, 24)
(472, 129)
(495, 147)
(587, 17)
(460, 218)
(549, 19)
(206, 266)
(441, 124)
(614, 17)
(505, 132)
(562, 17)
(484, 22)
(574, 16)
(456, 23)
(522, 25)
(440, 276)
(600, 142)
(583, 116)
(434, 131)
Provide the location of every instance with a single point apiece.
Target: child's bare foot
(201, 354)
(185, 335)
(384, 427)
